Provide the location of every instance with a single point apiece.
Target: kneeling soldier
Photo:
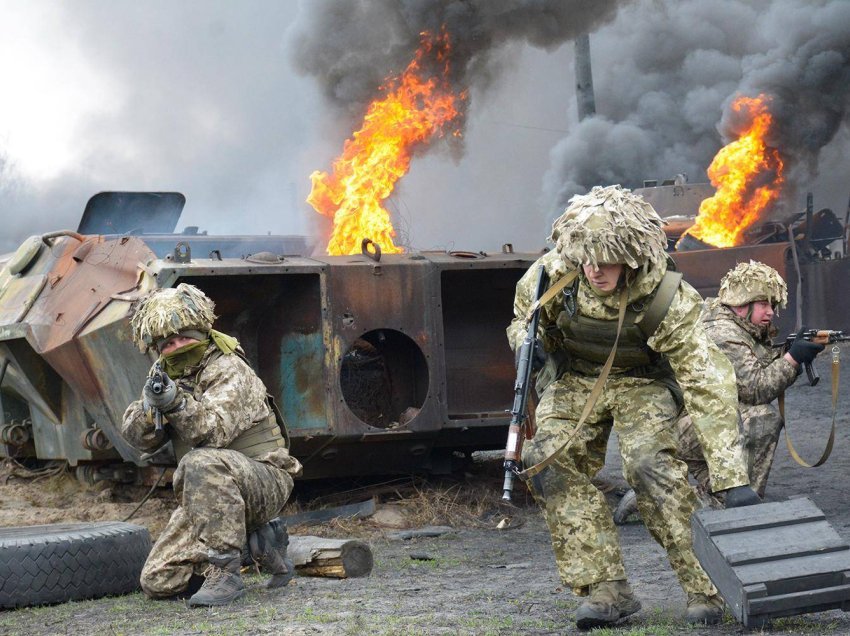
(234, 473)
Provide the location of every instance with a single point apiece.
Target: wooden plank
(714, 564)
(772, 560)
(775, 544)
(769, 515)
(831, 596)
(800, 568)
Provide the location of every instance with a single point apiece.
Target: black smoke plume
(667, 72)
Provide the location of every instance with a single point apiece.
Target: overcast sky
(204, 98)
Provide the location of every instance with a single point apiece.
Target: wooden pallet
(774, 559)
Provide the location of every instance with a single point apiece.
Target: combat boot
(704, 610)
(626, 508)
(222, 581)
(268, 545)
(609, 602)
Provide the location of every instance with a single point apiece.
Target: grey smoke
(351, 46)
(666, 73)
(202, 97)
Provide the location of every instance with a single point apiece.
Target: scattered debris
(510, 566)
(334, 558)
(427, 531)
(350, 511)
(421, 556)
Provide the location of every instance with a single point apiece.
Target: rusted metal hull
(378, 366)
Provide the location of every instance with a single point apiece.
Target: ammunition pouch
(259, 440)
(592, 339)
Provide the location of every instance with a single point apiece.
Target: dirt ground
(475, 580)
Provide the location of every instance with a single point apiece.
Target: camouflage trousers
(584, 537)
(760, 428)
(223, 494)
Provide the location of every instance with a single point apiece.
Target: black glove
(160, 392)
(538, 357)
(803, 351)
(741, 496)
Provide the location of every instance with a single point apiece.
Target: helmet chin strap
(750, 311)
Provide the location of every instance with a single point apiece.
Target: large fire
(415, 108)
(747, 175)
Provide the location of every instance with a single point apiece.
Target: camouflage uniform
(643, 411)
(762, 375)
(223, 493)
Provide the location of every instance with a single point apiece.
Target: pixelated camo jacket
(224, 398)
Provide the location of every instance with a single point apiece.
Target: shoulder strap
(550, 293)
(829, 442)
(595, 392)
(660, 303)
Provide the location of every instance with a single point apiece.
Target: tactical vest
(265, 436)
(592, 339)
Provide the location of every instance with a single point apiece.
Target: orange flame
(747, 175)
(417, 106)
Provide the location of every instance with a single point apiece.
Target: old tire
(70, 561)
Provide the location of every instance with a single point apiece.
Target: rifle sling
(595, 392)
(828, 450)
(550, 293)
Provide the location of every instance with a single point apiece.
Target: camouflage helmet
(749, 282)
(171, 311)
(610, 225)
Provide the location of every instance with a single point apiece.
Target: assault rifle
(818, 336)
(520, 428)
(158, 381)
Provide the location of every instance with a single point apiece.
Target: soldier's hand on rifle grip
(803, 351)
(160, 391)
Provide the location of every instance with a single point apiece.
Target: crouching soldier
(234, 473)
(740, 322)
(626, 316)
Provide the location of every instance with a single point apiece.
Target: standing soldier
(739, 321)
(234, 473)
(611, 245)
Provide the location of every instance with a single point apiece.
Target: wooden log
(335, 558)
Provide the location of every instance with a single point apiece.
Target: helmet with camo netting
(173, 311)
(749, 282)
(610, 225)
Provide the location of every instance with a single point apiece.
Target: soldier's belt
(259, 440)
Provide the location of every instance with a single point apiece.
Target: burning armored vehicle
(380, 363)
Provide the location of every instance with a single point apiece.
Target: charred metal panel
(704, 268)
(826, 297)
(277, 315)
(131, 212)
(476, 305)
(118, 368)
(217, 246)
(381, 317)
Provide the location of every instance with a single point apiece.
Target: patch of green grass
(802, 625)
(310, 615)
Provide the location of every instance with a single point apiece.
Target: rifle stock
(521, 425)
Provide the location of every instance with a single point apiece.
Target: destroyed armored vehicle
(380, 364)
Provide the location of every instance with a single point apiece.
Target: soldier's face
(174, 343)
(605, 276)
(762, 313)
